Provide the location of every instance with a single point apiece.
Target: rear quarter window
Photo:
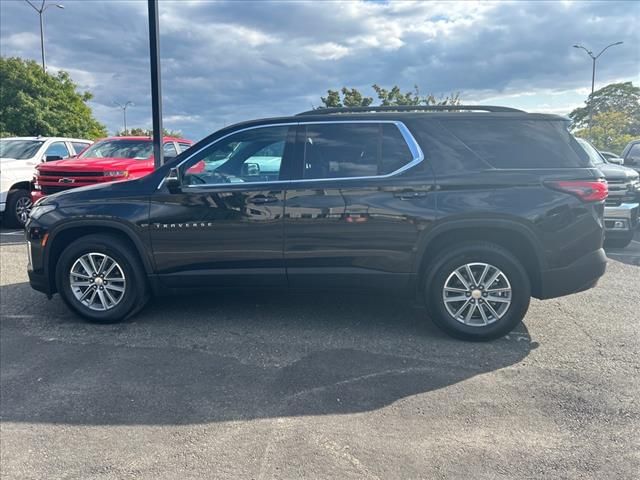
(520, 144)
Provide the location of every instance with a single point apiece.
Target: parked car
(612, 157)
(621, 206)
(108, 160)
(18, 159)
(631, 155)
(470, 213)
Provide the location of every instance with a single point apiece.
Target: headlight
(117, 173)
(39, 210)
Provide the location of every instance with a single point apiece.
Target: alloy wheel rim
(23, 208)
(477, 294)
(97, 281)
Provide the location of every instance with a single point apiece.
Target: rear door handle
(409, 194)
(262, 199)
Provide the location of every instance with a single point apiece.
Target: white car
(18, 159)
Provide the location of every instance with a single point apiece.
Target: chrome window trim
(412, 144)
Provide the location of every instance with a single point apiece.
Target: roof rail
(410, 108)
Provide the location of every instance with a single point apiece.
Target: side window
(184, 146)
(251, 156)
(341, 150)
(395, 151)
(169, 150)
(58, 149)
(79, 147)
(519, 144)
(344, 150)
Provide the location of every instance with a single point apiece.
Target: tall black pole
(156, 94)
(44, 68)
(593, 84)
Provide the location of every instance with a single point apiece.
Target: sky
(225, 62)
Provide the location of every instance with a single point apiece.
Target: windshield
(20, 149)
(594, 155)
(133, 149)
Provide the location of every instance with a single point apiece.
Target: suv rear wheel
(99, 278)
(478, 291)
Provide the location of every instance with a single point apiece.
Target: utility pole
(156, 94)
(593, 76)
(124, 112)
(40, 12)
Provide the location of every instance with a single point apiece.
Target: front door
(225, 226)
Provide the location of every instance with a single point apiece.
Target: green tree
(396, 97)
(351, 97)
(615, 97)
(33, 102)
(608, 131)
(145, 132)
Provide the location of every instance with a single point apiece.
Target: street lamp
(124, 112)
(41, 11)
(593, 75)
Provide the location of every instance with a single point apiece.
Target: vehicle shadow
(224, 357)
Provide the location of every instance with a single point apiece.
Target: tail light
(585, 190)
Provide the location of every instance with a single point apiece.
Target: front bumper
(38, 281)
(36, 269)
(576, 277)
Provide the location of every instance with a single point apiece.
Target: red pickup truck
(107, 160)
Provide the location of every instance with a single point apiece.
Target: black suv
(469, 210)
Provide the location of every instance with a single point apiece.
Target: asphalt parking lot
(263, 386)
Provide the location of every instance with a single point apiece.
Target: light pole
(41, 11)
(593, 76)
(124, 112)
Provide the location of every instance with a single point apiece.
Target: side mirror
(616, 160)
(173, 181)
(52, 158)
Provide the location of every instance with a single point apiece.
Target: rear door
(347, 214)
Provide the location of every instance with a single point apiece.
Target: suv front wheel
(101, 279)
(478, 291)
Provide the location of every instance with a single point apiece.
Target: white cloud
(224, 62)
(21, 41)
(329, 51)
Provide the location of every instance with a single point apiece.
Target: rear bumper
(580, 275)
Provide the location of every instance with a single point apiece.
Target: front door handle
(409, 194)
(262, 199)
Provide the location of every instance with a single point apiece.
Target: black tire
(16, 198)
(618, 242)
(135, 295)
(440, 270)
